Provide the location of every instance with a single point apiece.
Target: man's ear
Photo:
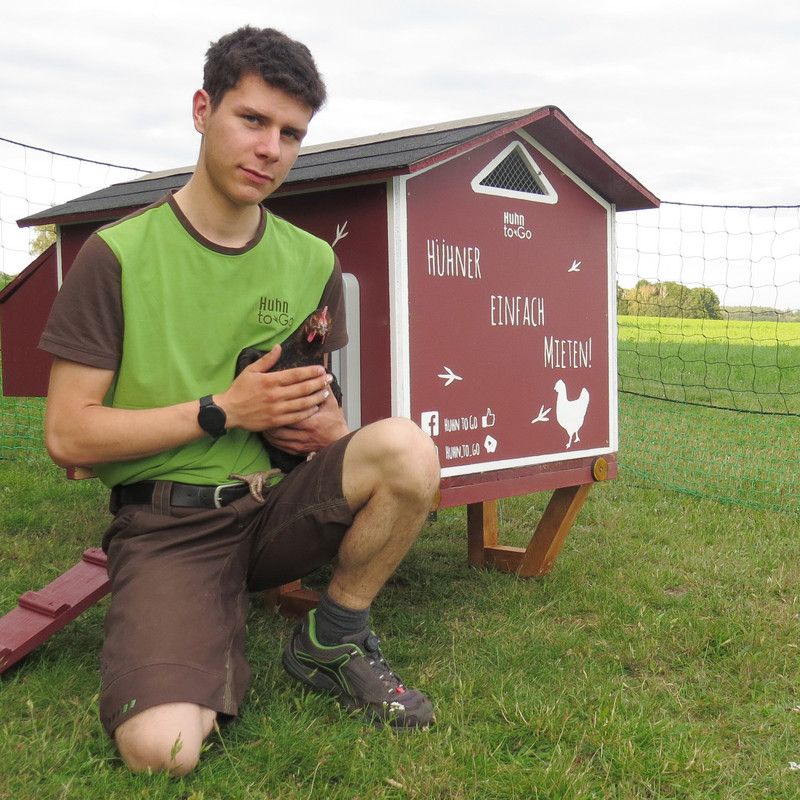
(201, 109)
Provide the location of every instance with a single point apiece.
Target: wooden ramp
(39, 615)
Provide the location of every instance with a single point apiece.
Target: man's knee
(165, 738)
(158, 751)
(414, 450)
(398, 454)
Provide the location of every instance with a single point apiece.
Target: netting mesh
(709, 350)
(33, 179)
(21, 420)
(742, 366)
(737, 457)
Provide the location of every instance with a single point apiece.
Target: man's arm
(80, 431)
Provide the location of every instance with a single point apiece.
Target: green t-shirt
(189, 308)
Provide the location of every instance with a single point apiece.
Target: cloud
(697, 100)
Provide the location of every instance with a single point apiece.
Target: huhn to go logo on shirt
(274, 311)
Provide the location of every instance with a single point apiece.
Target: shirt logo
(274, 311)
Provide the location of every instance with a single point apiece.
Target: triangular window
(515, 174)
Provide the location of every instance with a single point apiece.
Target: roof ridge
(404, 133)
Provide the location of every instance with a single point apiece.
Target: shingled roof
(379, 157)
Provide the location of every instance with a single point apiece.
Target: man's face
(250, 139)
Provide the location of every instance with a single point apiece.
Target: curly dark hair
(282, 62)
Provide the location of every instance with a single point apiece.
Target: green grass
(658, 659)
(746, 366)
(708, 442)
(733, 456)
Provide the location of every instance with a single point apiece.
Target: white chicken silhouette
(570, 413)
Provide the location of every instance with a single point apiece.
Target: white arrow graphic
(449, 376)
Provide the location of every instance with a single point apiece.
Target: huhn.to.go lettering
(514, 226)
(465, 450)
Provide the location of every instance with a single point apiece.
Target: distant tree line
(668, 299)
(760, 314)
(671, 299)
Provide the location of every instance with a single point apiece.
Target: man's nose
(269, 144)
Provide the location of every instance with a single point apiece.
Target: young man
(145, 333)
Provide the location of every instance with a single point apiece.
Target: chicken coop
(481, 296)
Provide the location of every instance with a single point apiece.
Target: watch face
(211, 417)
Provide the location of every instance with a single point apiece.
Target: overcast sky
(698, 99)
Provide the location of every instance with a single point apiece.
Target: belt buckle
(218, 490)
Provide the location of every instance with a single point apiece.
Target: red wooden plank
(41, 614)
(466, 489)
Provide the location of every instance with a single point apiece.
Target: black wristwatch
(211, 417)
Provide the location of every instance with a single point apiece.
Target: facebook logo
(430, 422)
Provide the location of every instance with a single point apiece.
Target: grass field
(745, 366)
(709, 441)
(659, 659)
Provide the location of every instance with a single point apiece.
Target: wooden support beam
(481, 530)
(545, 544)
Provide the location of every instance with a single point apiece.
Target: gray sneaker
(357, 673)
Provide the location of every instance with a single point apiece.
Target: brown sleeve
(86, 321)
(333, 297)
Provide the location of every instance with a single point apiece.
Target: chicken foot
(257, 481)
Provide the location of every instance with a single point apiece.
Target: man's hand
(311, 434)
(260, 400)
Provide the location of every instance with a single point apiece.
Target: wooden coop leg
(545, 544)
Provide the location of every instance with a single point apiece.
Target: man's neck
(218, 220)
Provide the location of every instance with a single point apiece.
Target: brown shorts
(175, 628)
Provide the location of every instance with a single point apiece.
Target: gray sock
(335, 623)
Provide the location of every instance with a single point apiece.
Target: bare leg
(165, 738)
(390, 478)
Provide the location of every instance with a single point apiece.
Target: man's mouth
(257, 177)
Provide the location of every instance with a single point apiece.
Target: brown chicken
(303, 348)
